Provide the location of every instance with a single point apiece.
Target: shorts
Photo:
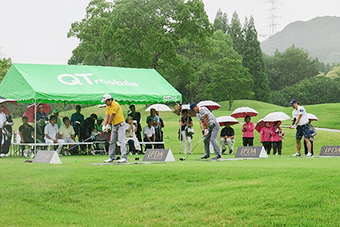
(302, 130)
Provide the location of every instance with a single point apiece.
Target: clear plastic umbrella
(312, 117)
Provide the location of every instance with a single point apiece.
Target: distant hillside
(319, 36)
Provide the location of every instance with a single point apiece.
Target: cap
(106, 97)
(192, 106)
(56, 111)
(292, 102)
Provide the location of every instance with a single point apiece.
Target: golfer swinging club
(302, 127)
(210, 128)
(114, 116)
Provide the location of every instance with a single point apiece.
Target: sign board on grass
(330, 151)
(162, 155)
(49, 157)
(251, 152)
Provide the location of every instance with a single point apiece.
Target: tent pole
(64, 109)
(35, 127)
(180, 128)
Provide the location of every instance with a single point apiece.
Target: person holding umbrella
(266, 137)
(277, 135)
(41, 114)
(313, 133)
(248, 132)
(210, 128)
(302, 127)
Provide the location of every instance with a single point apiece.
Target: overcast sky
(35, 31)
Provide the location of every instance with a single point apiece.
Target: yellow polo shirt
(117, 111)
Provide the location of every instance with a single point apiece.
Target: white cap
(106, 97)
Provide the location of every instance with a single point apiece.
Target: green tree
(290, 67)
(253, 60)
(5, 64)
(229, 80)
(137, 33)
(235, 31)
(221, 21)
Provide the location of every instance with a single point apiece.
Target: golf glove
(206, 131)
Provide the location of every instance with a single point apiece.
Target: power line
(274, 9)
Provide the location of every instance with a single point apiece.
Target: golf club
(183, 159)
(91, 137)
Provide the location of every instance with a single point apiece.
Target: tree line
(202, 60)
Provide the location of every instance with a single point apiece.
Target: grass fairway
(278, 191)
(275, 191)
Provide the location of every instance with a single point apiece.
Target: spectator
(56, 113)
(156, 125)
(266, 137)
(227, 138)
(26, 132)
(40, 126)
(149, 133)
(41, 114)
(248, 132)
(66, 132)
(77, 120)
(136, 116)
(2, 121)
(7, 136)
(160, 136)
(129, 134)
(277, 136)
(87, 129)
(313, 133)
(99, 124)
(52, 133)
(186, 136)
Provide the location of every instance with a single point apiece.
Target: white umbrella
(312, 117)
(242, 112)
(276, 116)
(211, 105)
(224, 119)
(158, 107)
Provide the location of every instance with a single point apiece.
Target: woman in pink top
(277, 135)
(266, 137)
(248, 132)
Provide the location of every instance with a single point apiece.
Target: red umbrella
(4, 100)
(223, 119)
(242, 112)
(30, 111)
(211, 105)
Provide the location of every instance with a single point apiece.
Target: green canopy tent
(30, 83)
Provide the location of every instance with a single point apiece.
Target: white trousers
(49, 141)
(186, 141)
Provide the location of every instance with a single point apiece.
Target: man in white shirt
(52, 133)
(302, 127)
